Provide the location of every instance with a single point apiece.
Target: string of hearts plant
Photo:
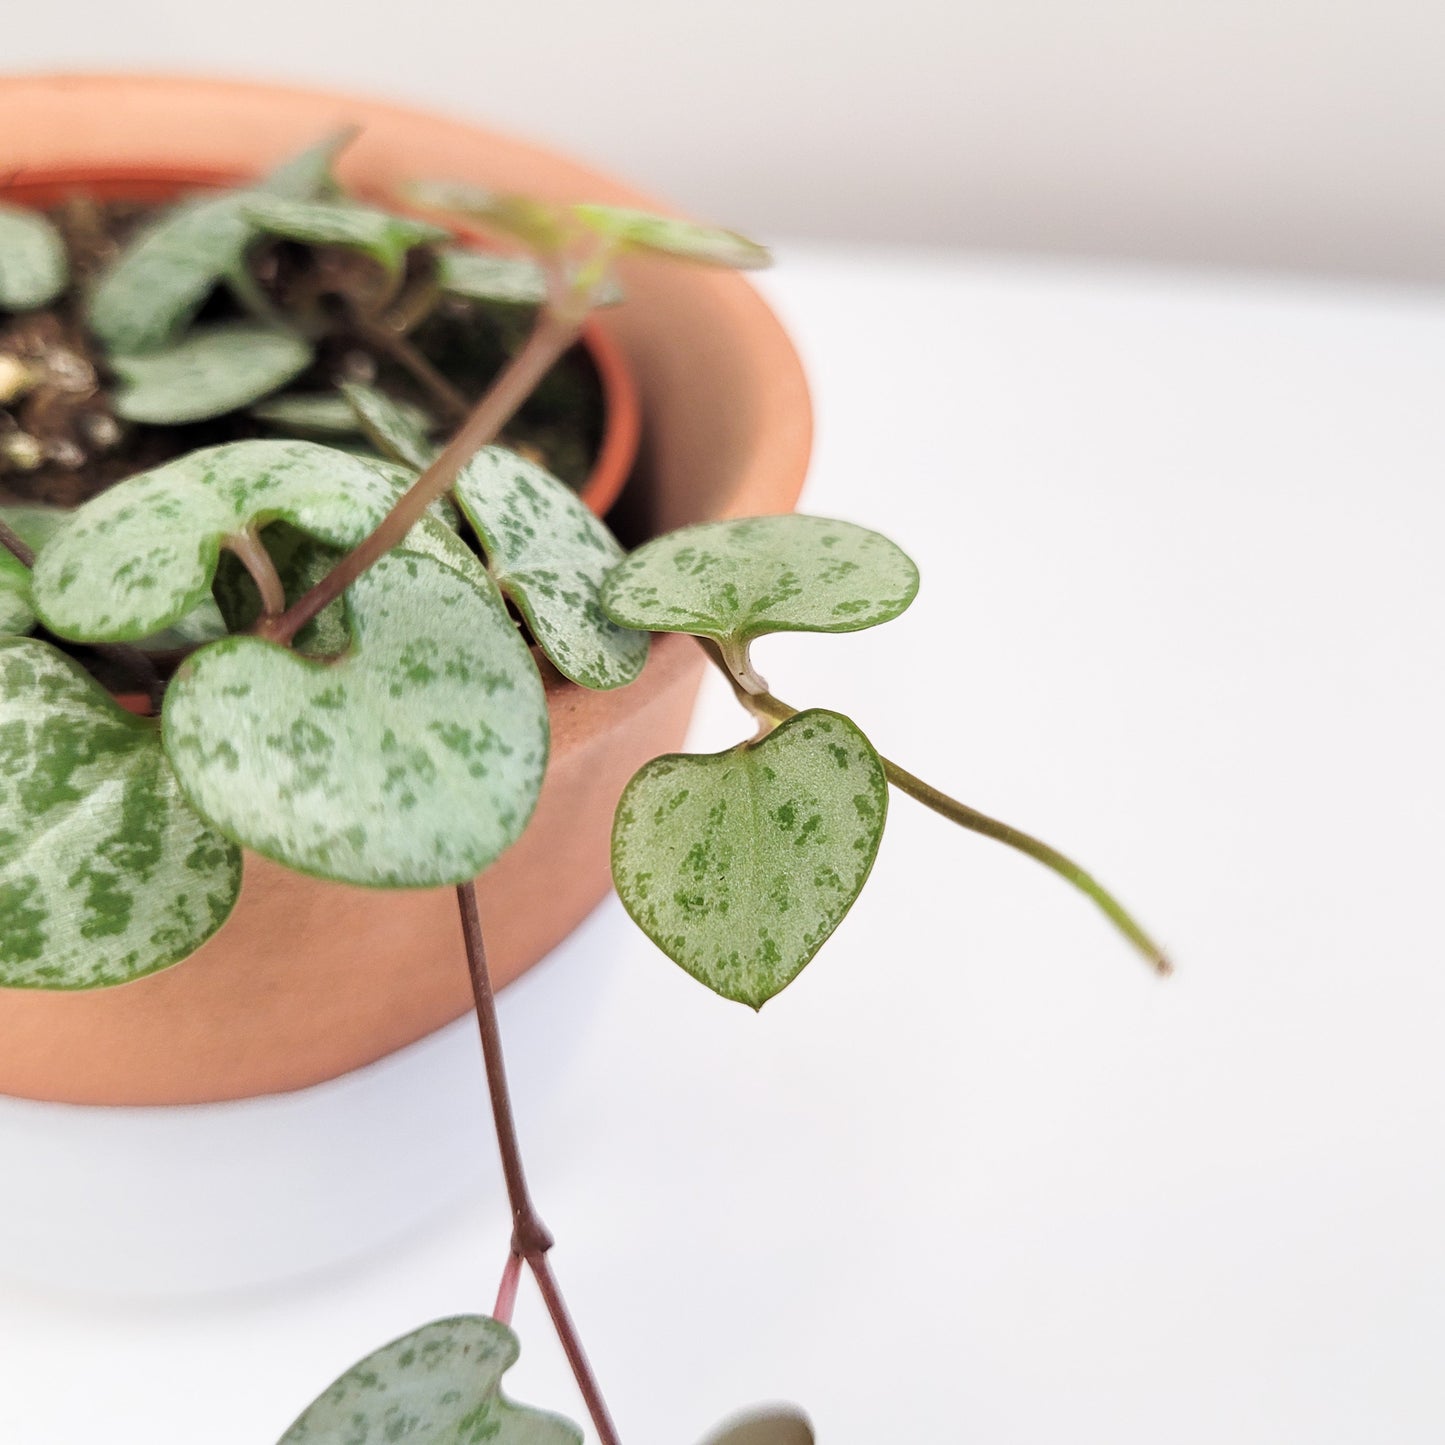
(341, 687)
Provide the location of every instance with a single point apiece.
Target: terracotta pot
(308, 980)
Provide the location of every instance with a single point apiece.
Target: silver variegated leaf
(739, 865)
(503, 280)
(16, 615)
(442, 1384)
(379, 234)
(395, 427)
(683, 240)
(106, 872)
(308, 175)
(411, 762)
(768, 1425)
(140, 556)
(163, 277)
(733, 581)
(33, 267)
(550, 554)
(210, 371)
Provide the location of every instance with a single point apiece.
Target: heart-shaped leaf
(141, 555)
(682, 240)
(733, 581)
(441, 1383)
(738, 865)
(16, 615)
(33, 268)
(769, 1425)
(38, 524)
(161, 279)
(396, 428)
(379, 234)
(106, 873)
(209, 372)
(503, 280)
(412, 762)
(550, 554)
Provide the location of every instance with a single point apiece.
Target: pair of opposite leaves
(442, 1383)
(415, 758)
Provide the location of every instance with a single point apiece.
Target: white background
(1277, 133)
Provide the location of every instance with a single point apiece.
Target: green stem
(773, 710)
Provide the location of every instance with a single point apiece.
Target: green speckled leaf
(395, 427)
(141, 555)
(771, 1425)
(209, 372)
(685, 240)
(106, 873)
(733, 581)
(379, 234)
(503, 280)
(33, 268)
(412, 762)
(550, 554)
(163, 277)
(16, 616)
(439, 1385)
(738, 865)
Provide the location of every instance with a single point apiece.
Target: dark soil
(60, 442)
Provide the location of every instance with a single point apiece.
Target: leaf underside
(33, 268)
(550, 554)
(739, 865)
(106, 873)
(733, 581)
(413, 761)
(211, 371)
(140, 556)
(442, 1384)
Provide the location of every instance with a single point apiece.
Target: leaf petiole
(771, 711)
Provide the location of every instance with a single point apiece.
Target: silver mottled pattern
(16, 616)
(734, 581)
(106, 873)
(738, 865)
(550, 554)
(395, 427)
(385, 237)
(141, 555)
(439, 1385)
(413, 761)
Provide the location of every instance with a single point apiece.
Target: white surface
(977, 1176)
(1264, 132)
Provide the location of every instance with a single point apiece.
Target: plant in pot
(307, 616)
